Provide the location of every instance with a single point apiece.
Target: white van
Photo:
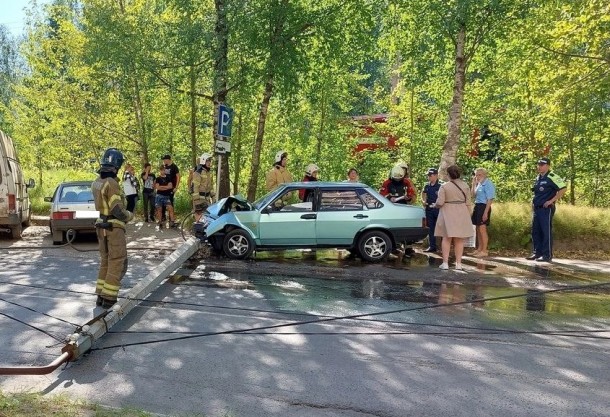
(15, 206)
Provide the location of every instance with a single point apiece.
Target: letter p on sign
(225, 119)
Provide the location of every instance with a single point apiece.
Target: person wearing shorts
(164, 187)
(484, 192)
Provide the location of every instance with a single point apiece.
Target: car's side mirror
(48, 199)
(267, 209)
(31, 183)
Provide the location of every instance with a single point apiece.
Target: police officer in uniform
(202, 185)
(548, 188)
(110, 228)
(429, 195)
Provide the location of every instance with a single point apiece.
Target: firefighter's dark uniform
(203, 188)
(545, 188)
(397, 188)
(110, 228)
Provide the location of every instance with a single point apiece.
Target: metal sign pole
(218, 176)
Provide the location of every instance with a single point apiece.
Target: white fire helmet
(279, 156)
(405, 167)
(204, 157)
(397, 173)
(311, 168)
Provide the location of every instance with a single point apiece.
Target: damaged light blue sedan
(342, 215)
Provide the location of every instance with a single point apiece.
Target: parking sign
(225, 119)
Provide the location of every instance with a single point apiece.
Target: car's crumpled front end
(215, 211)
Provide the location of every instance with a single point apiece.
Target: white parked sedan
(72, 208)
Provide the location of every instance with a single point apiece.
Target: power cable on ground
(57, 338)
(352, 316)
(330, 318)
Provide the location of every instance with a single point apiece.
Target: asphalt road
(242, 347)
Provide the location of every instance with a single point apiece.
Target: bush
(510, 226)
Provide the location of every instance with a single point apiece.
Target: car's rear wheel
(238, 244)
(374, 246)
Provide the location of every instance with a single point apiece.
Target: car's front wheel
(238, 244)
(374, 246)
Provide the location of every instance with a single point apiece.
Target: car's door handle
(309, 216)
(360, 216)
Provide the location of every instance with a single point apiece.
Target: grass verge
(36, 405)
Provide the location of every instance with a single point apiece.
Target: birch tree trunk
(450, 148)
(258, 141)
(193, 79)
(571, 152)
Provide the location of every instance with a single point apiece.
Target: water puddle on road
(417, 301)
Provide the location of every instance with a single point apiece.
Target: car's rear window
(336, 200)
(369, 200)
(76, 194)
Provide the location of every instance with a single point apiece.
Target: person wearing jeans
(148, 193)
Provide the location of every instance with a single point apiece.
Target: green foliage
(139, 75)
(510, 227)
(36, 405)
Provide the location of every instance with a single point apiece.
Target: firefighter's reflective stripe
(107, 206)
(110, 291)
(99, 285)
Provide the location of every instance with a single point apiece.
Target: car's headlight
(204, 221)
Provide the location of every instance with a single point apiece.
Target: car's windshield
(264, 200)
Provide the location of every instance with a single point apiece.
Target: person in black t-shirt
(172, 171)
(148, 193)
(164, 188)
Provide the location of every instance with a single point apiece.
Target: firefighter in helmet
(279, 175)
(411, 191)
(311, 174)
(110, 228)
(394, 188)
(202, 185)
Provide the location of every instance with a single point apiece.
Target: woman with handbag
(454, 222)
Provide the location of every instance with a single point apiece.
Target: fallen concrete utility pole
(83, 338)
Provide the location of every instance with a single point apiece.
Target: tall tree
(455, 30)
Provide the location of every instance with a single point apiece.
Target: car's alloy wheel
(374, 246)
(238, 244)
